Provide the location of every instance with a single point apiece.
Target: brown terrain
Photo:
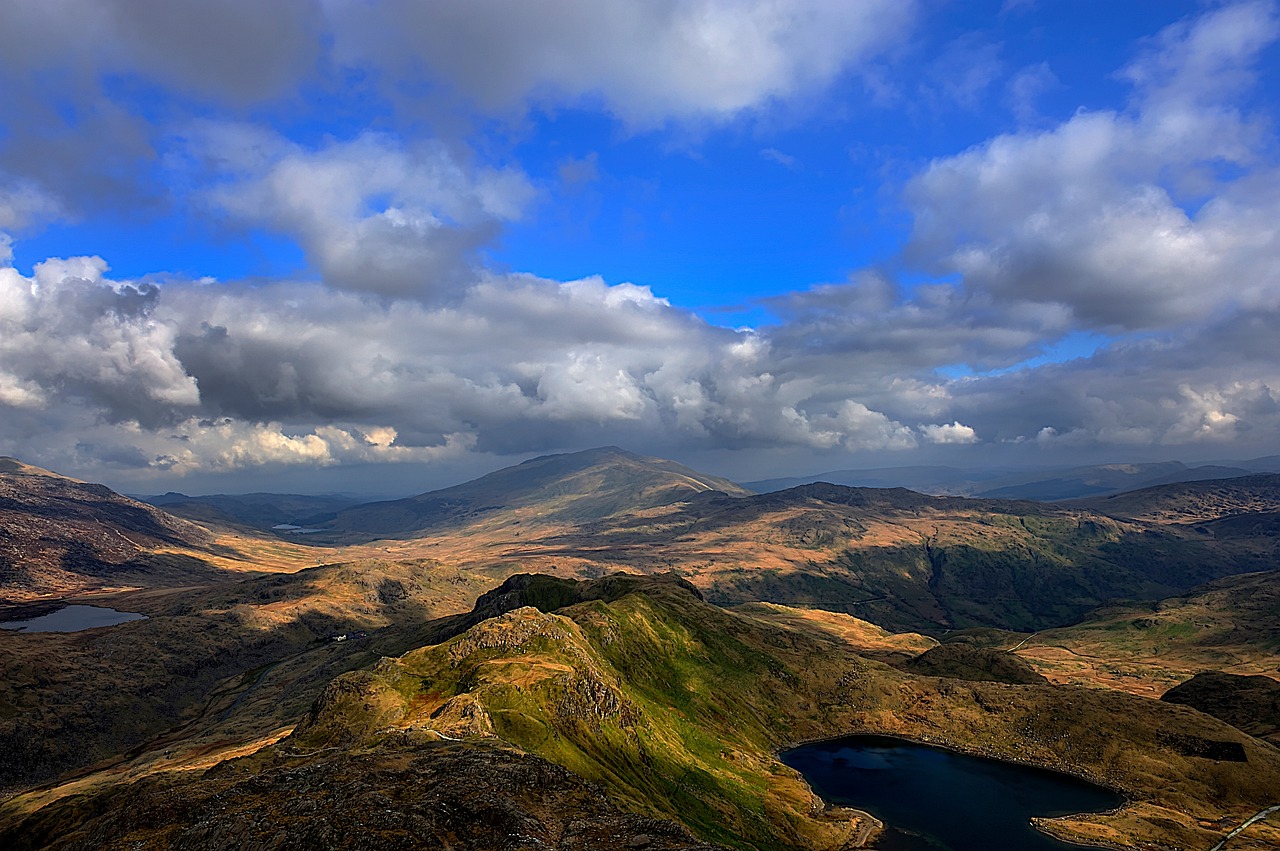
(972, 624)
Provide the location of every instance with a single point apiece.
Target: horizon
(385, 248)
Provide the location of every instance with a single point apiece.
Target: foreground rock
(408, 793)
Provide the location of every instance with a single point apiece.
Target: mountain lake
(936, 800)
(72, 619)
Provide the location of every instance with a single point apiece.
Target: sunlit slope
(890, 556)
(59, 535)
(675, 708)
(209, 666)
(1230, 625)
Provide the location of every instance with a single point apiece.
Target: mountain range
(1049, 484)
(628, 640)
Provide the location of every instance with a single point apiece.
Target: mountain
(59, 535)
(1047, 485)
(259, 511)
(1194, 502)
(550, 490)
(937, 480)
(631, 703)
(1100, 480)
(900, 559)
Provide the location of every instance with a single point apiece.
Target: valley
(634, 637)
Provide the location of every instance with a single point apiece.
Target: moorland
(630, 641)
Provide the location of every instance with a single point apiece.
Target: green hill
(675, 709)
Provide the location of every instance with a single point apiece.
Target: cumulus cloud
(647, 62)
(371, 213)
(953, 433)
(226, 376)
(1087, 215)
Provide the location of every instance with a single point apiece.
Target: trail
(1256, 817)
(1024, 641)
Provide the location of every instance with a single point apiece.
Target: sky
(380, 246)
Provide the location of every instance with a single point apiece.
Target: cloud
(953, 433)
(647, 63)
(371, 213)
(211, 49)
(1089, 215)
(784, 160)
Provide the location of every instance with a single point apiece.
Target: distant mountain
(1101, 479)
(256, 510)
(59, 535)
(1044, 485)
(897, 558)
(933, 480)
(1194, 502)
(552, 489)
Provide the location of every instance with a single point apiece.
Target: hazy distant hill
(1044, 485)
(61, 535)
(257, 510)
(573, 488)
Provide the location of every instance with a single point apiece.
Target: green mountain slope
(675, 709)
(898, 558)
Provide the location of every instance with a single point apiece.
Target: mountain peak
(575, 487)
(13, 466)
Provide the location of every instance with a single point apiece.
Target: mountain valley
(631, 640)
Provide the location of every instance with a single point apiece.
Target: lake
(936, 800)
(73, 619)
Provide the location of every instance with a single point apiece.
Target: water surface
(73, 619)
(936, 800)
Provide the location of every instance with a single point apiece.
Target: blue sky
(343, 243)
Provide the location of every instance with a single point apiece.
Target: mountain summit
(574, 488)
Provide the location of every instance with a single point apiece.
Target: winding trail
(1256, 817)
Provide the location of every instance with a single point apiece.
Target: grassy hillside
(1230, 625)
(676, 708)
(209, 667)
(1193, 502)
(894, 557)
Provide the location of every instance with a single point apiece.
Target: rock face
(409, 793)
(1251, 704)
(963, 661)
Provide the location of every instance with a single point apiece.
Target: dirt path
(1256, 817)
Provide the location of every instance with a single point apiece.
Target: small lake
(936, 800)
(73, 619)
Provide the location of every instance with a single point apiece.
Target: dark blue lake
(936, 800)
(73, 619)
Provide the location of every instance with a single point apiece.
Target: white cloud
(1087, 215)
(952, 433)
(371, 213)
